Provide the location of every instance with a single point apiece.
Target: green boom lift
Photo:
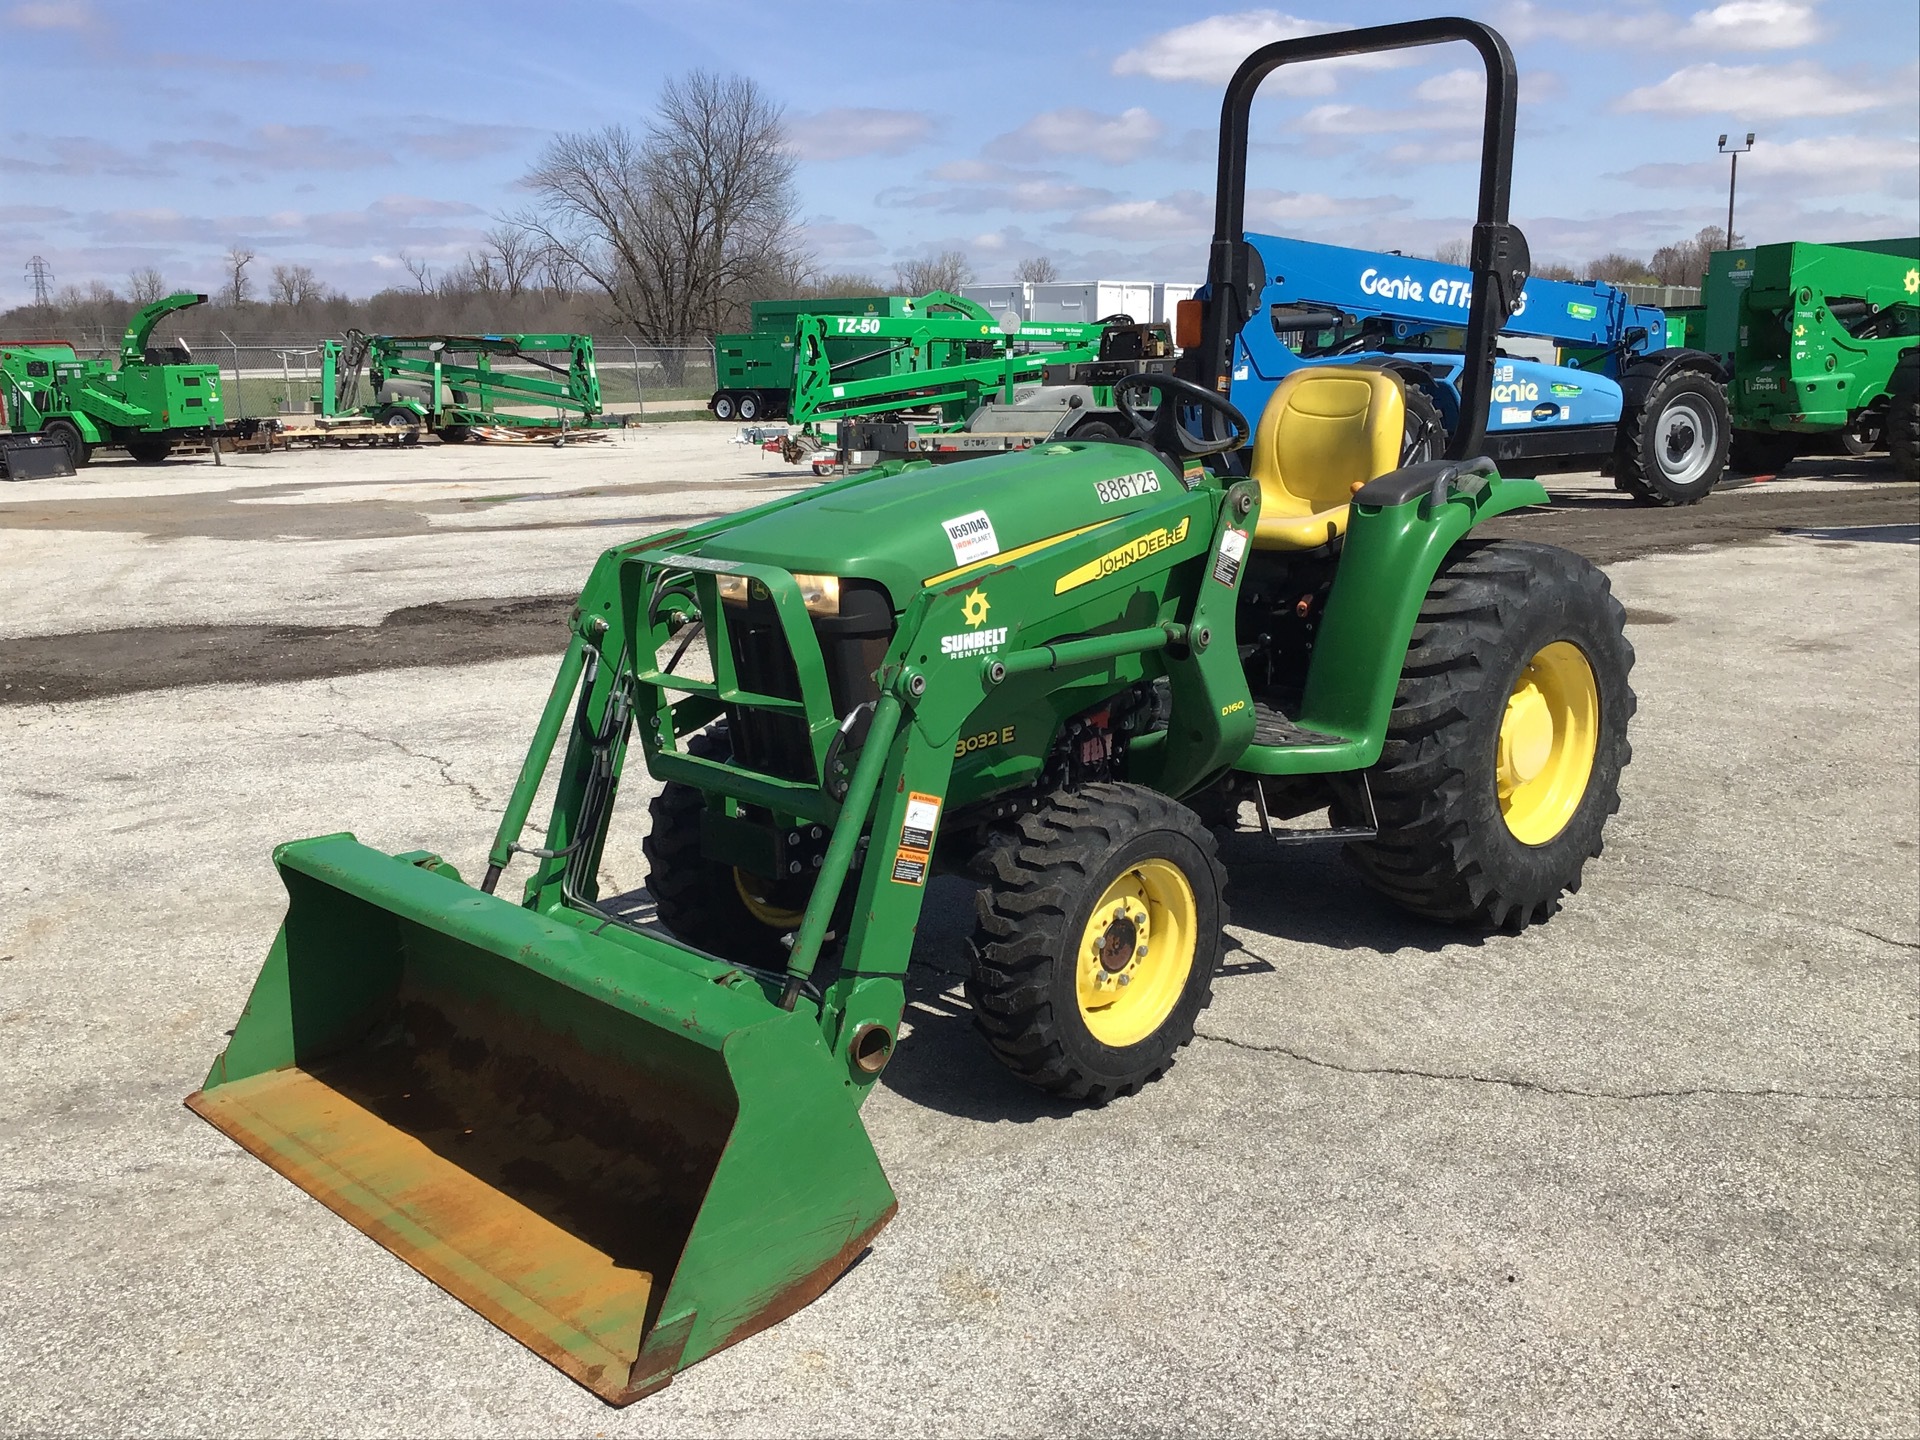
(151, 398)
(450, 384)
(625, 1126)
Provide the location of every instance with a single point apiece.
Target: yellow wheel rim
(1548, 737)
(767, 913)
(1136, 953)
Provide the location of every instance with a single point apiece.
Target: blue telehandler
(1652, 413)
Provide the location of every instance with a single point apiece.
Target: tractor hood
(907, 528)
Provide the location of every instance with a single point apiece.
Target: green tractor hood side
(923, 522)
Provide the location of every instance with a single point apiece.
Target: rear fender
(1394, 548)
(1640, 376)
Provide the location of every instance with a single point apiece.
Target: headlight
(820, 593)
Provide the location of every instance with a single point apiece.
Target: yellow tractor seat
(1327, 431)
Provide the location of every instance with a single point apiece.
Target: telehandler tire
(1901, 431)
(710, 904)
(1508, 735)
(1672, 448)
(1099, 929)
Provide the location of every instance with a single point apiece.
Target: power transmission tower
(41, 274)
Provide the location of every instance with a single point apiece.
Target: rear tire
(749, 407)
(705, 902)
(1486, 815)
(455, 434)
(721, 405)
(1762, 452)
(1902, 428)
(1672, 449)
(1071, 994)
(150, 452)
(68, 434)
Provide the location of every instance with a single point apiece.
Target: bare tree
(238, 288)
(1451, 252)
(1556, 270)
(839, 285)
(514, 256)
(295, 285)
(1035, 271)
(677, 228)
(948, 270)
(421, 272)
(1686, 262)
(146, 285)
(1619, 269)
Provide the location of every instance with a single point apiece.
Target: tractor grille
(853, 644)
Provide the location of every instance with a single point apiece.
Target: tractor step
(1274, 727)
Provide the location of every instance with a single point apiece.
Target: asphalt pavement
(1650, 1168)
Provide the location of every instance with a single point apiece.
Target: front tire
(721, 405)
(68, 434)
(1672, 449)
(711, 905)
(399, 418)
(1099, 932)
(1507, 738)
(150, 452)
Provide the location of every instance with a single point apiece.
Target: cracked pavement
(1649, 1168)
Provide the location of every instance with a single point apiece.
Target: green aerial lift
(940, 354)
(624, 1125)
(153, 397)
(451, 384)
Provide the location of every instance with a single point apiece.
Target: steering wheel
(1166, 431)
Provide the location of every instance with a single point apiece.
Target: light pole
(1733, 177)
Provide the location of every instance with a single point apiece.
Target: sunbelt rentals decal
(979, 640)
(1152, 543)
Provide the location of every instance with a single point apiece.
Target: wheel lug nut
(1141, 953)
(1126, 979)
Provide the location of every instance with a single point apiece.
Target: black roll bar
(1499, 257)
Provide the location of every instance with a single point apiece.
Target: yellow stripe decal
(1152, 543)
(1005, 556)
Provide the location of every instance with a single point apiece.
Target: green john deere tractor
(624, 1126)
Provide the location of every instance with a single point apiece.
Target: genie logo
(1456, 294)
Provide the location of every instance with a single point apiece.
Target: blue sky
(341, 135)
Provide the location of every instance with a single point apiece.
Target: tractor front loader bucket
(622, 1153)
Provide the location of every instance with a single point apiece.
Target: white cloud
(1074, 131)
(52, 15)
(1275, 210)
(1826, 165)
(1031, 192)
(842, 134)
(1757, 92)
(1754, 25)
(1186, 212)
(1209, 51)
(840, 240)
(1732, 25)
